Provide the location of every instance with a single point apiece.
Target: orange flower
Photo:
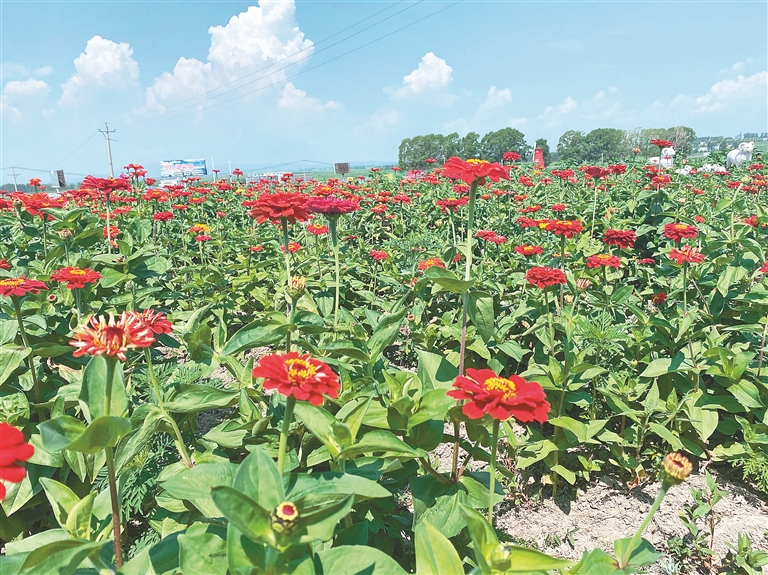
(112, 337)
(13, 451)
(429, 262)
(75, 278)
(299, 376)
(500, 397)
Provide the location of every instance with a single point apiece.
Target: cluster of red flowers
(378, 255)
(491, 236)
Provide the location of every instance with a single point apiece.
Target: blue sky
(269, 83)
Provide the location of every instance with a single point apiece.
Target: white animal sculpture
(667, 155)
(709, 168)
(740, 155)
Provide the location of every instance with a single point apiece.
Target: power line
(76, 149)
(204, 94)
(106, 133)
(161, 119)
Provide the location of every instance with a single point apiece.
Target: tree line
(573, 147)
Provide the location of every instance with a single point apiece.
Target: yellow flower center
(299, 369)
(475, 161)
(77, 272)
(681, 226)
(603, 257)
(12, 282)
(501, 384)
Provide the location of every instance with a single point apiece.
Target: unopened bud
(65, 234)
(284, 517)
(296, 286)
(676, 468)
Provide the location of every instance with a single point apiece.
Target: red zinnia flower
(603, 260)
(293, 247)
(199, 229)
(528, 251)
(471, 170)
(567, 228)
(378, 255)
(299, 376)
(428, 263)
(451, 203)
(257, 248)
(111, 232)
(647, 261)
(543, 276)
(559, 207)
(678, 231)
(699, 219)
(662, 143)
(751, 221)
(510, 156)
(20, 286)
(659, 298)
(13, 451)
(75, 278)
(274, 207)
(4, 265)
(154, 320)
(764, 268)
(500, 397)
(162, 216)
(332, 206)
(317, 229)
(686, 254)
(620, 238)
(112, 337)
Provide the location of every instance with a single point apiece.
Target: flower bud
(745, 180)
(500, 554)
(284, 517)
(65, 234)
(296, 286)
(676, 468)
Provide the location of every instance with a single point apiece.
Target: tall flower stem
(44, 217)
(623, 561)
(464, 311)
(594, 210)
(113, 496)
(685, 288)
(492, 480)
(30, 359)
(284, 222)
(562, 267)
(109, 231)
(179, 440)
(332, 221)
(289, 405)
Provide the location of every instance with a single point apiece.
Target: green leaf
(258, 333)
(311, 489)
(435, 555)
(66, 432)
(320, 423)
(448, 280)
(111, 277)
(196, 483)
(79, 520)
(358, 560)
(565, 473)
(245, 514)
(641, 555)
(666, 435)
(194, 398)
(60, 557)
(93, 393)
(597, 562)
(61, 498)
(159, 559)
(386, 332)
(666, 365)
(482, 314)
(483, 536)
(11, 357)
(203, 550)
(259, 479)
(380, 441)
(434, 370)
(319, 524)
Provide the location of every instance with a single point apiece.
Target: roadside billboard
(181, 168)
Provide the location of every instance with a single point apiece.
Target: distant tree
(684, 139)
(571, 147)
(604, 145)
(494, 144)
(542, 144)
(470, 146)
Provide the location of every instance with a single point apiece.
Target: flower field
(239, 377)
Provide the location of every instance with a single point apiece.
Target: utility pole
(106, 133)
(13, 173)
(230, 167)
(213, 170)
(304, 170)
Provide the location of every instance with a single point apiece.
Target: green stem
(623, 561)
(115, 507)
(289, 405)
(109, 232)
(45, 234)
(30, 358)
(685, 288)
(335, 241)
(182, 448)
(492, 481)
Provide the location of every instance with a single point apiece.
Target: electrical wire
(76, 149)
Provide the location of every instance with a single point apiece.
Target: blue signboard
(181, 168)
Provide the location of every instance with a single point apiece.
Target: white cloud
(433, 73)
(746, 92)
(296, 100)
(380, 123)
(245, 48)
(613, 89)
(13, 70)
(553, 114)
(26, 88)
(495, 99)
(487, 115)
(104, 64)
